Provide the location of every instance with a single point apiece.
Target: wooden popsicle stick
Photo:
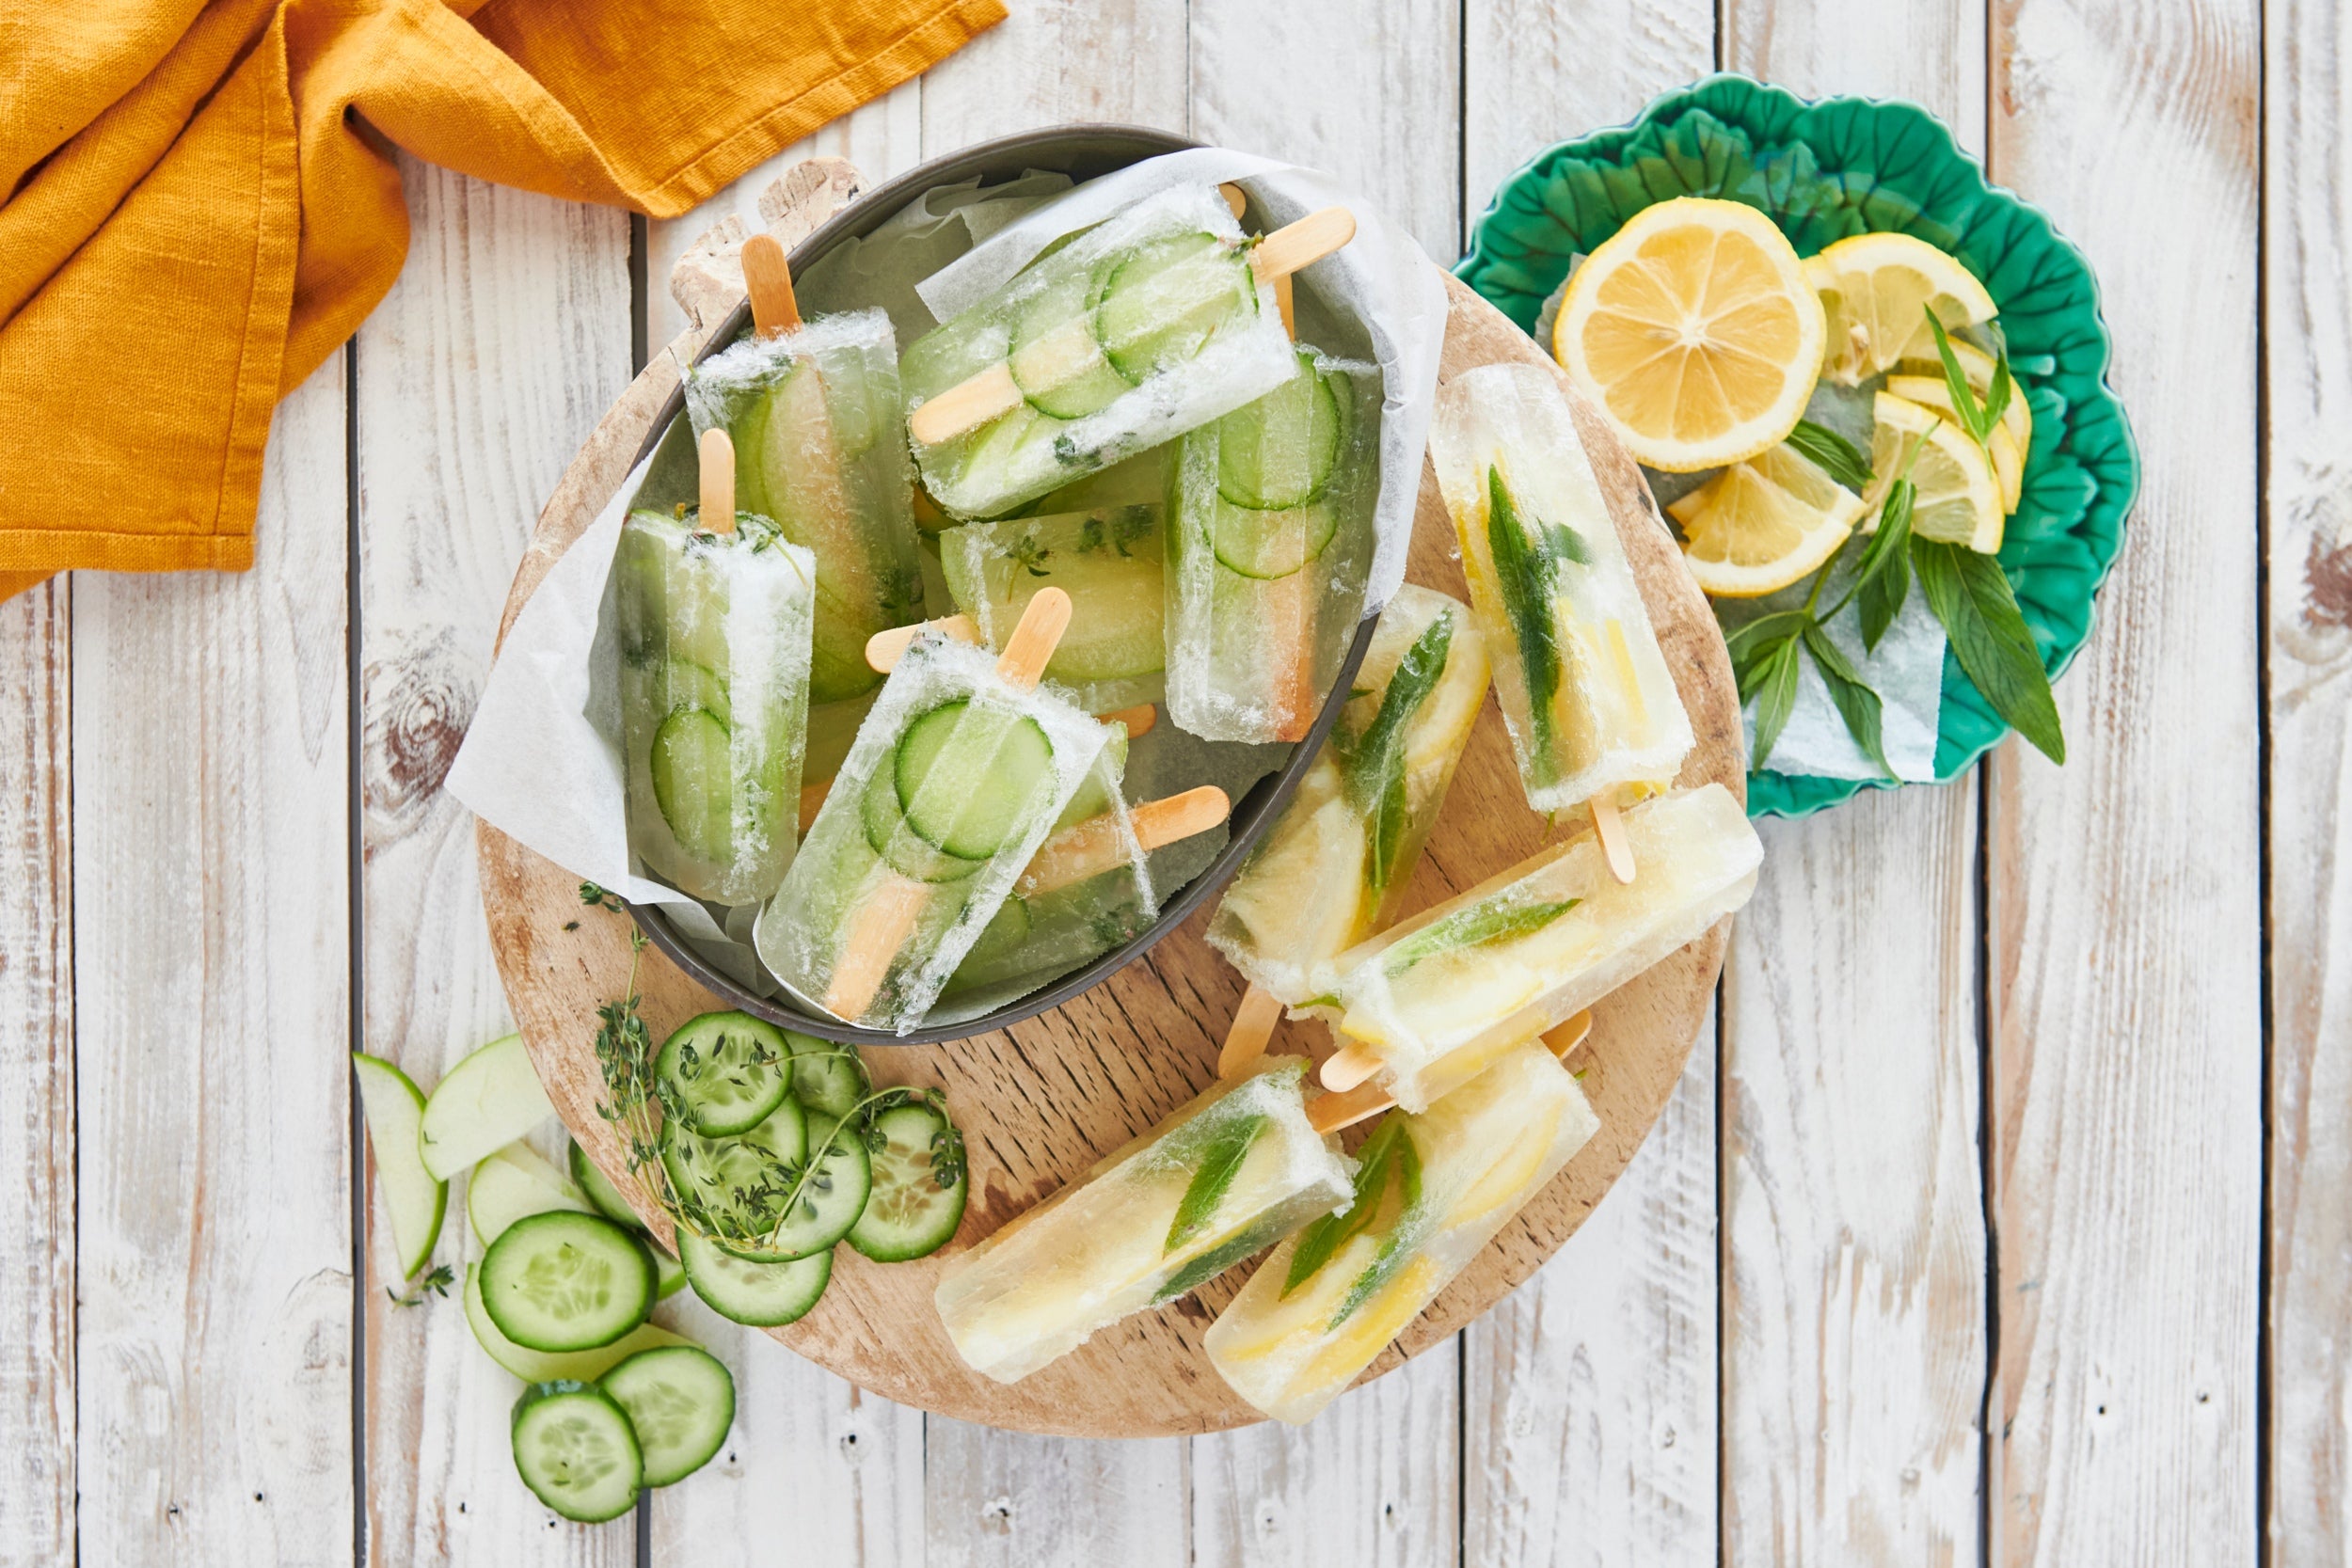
(1285, 300)
(1253, 1025)
(1235, 197)
(1348, 1067)
(812, 802)
(1031, 646)
(1609, 829)
(876, 932)
(1140, 718)
(966, 405)
(1090, 848)
(718, 482)
(1297, 245)
(767, 276)
(885, 649)
(1329, 1112)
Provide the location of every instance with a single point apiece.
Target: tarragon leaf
(1473, 927)
(1325, 1236)
(1971, 596)
(1394, 1252)
(1857, 703)
(1524, 574)
(1220, 1162)
(1775, 691)
(1377, 762)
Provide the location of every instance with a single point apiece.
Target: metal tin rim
(1096, 148)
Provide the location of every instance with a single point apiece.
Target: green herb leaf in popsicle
(1473, 927)
(1523, 577)
(1213, 1178)
(1398, 1249)
(1377, 762)
(1319, 1240)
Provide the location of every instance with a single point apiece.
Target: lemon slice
(2017, 418)
(1876, 289)
(2009, 463)
(1695, 328)
(1305, 891)
(1761, 525)
(1959, 500)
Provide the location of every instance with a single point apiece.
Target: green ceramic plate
(1822, 171)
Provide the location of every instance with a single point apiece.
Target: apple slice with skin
(486, 1102)
(414, 1199)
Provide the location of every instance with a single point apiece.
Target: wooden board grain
(2307, 511)
(1039, 1101)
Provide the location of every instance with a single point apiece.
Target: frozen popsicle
(1585, 692)
(1429, 1002)
(814, 414)
(1268, 542)
(714, 612)
(955, 780)
(1155, 321)
(1225, 1176)
(1110, 560)
(1431, 1190)
(1333, 868)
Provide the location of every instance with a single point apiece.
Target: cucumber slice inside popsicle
(968, 775)
(1278, 451)
(1269, 545)
(1162, 305)
(692, 781)
(1056, 359)
(887, 834)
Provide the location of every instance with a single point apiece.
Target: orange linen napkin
(202, 206)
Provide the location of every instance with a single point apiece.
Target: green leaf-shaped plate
(1822, 171)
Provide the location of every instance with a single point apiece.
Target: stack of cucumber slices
(775, 1148)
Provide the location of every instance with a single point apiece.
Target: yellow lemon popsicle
(1226, 1176)
(1439, 997)
(1431, 1190)
(1583, 688)
(1334, 868)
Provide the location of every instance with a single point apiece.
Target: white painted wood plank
(2308, 311)
(1371, 94)
(883, 138)
(1590, 1394)
(212, 1014)
(1006, 1499)
(2125, 905)
(37, 1361)
(504, 341)
(1373, 1479)
(1855, 1340)
(1051, 61)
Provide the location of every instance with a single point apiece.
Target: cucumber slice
(681, 683)
(968, 775)
(1162, 305)
(911, 1212)
(1269, 545)
(533, 1366)
(414, 1199)
(830, 1201)
(590, 1178)
(908, 852)
(828, 1076)
(693, 781)
(722, 1073)
(513, 1185)
(999, 940)
(758, 1295)
(720, 1176)
(566, 1281)
(680, 1401)
(485, 1103)
(1055, 360)
(1006, 445)
(1278, 451)
(576, 1450)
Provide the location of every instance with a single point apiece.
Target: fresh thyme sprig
(435, 1283)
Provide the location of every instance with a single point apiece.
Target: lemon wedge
(2009, 463)
(1876, 289)
(1696, 330)
(2017, 418)
(1761, 525)
(1957, 499)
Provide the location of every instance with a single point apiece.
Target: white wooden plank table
(2003, 1215)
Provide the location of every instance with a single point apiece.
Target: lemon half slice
(1694, 329)
(2009, 463)
(1957, 499)
(2017, 418)
(1761, 525)
(1876, 289)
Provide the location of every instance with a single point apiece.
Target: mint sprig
(1979, 418)
(1833, 454)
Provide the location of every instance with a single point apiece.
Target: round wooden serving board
(1040, 1100)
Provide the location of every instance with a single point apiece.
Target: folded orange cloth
(202, 206)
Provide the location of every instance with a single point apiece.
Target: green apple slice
(486, 1102)
(414, 1199)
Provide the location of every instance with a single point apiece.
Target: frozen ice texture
(1110, 560)
(1226, 1176)
(955, 779)
(1334, 868)
(1270, 538)
(713, 630)
(1135, 331)
(815, 417)
(1475, 1158)
(1436, 997)
(1584, 686)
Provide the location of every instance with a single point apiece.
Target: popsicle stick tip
(885, 649)
(1348, 1067)
(1235, 197)
(1297, 245)
(1329, 1112)
(1286, 301)
(876, 932)
(717, 454)
(1179, 817)
(1032, 643)
(966, 405)
(1609, 829)
(1562, 1039)
(1253, 1025)
(768, 278)
(1139, 719)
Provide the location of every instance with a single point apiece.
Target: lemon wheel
(1876, 290)
(1694, 329)
(1957, 500)
(1761, 525)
